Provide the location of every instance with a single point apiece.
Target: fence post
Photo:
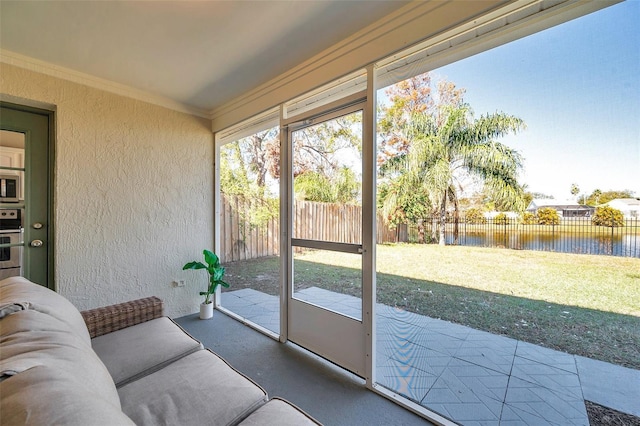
(506, 245)
(612, 242)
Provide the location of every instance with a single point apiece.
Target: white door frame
(338, 338)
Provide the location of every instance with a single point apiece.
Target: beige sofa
(119, 365)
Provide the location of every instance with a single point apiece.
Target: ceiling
(200, 54)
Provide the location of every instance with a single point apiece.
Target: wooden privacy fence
(243, 238)
(239, 238)
(339, 223)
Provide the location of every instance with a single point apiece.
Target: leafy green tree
(598, 197)
(575, 189)
(541, 196)
(453, 143)
(248, 162)
(233, 172)
(346, 186)
(245, 167)
(313, 186)
(474, 216)
(322, 147)
(322, 160)
(496, 201)
(527, 198)
(528, 218)
(399, 200)
(400, 203)
(608, 216)
(250, 167)
(501, 219)
(432, 143)
(341, 187)
(548, 216)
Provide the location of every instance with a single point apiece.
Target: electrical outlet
(177, 283)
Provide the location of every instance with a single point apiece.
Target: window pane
(329, 279)
(327, 169)
(249, 227)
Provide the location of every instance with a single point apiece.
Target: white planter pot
(206, 310)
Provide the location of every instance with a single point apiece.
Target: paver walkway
(471, 376)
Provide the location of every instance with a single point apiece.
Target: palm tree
(449, 145)
(597, 194)
(401, 203)
(575, 190)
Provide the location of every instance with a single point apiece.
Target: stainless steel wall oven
(11, 240)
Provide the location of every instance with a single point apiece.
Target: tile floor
(470, 376)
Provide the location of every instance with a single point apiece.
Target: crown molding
(406, 26)
(52, 70)
(404, 32)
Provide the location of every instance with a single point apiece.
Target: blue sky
(577, 86)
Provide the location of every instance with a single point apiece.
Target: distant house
(630, 207)
(565, 209)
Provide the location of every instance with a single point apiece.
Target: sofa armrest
(115, 317)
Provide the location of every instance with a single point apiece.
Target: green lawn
(581, 304)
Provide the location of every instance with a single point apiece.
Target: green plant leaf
(218, 273)
(194, 265)
(211, 258)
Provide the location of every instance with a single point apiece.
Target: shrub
(475, 216)
(548, 216)
(608, 216)
(528, 218)
(501, 219)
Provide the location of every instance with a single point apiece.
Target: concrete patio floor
(470, 376)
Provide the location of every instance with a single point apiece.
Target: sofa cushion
(31, 339)
(43, 395)
(279, 412)
(20, 291)
(10, 308)
(200, 388)
(133, 352)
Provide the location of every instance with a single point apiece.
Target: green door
(26, 151)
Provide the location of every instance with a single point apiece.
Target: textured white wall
(133, 193)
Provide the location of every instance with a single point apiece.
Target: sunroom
(142, 171)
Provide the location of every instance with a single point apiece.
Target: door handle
(36, 243)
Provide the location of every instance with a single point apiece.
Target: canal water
(626, 245)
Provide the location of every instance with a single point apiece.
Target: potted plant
(216, 273)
